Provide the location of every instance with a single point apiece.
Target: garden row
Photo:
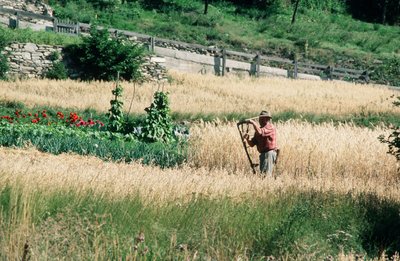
(156, 141)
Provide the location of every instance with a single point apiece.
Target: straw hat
(265, 114)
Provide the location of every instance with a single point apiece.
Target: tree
(295, 11)
(205, 6)
(101, 57)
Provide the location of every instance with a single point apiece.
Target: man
(265, 140)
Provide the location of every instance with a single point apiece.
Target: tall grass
(198, 94)
(41, 224)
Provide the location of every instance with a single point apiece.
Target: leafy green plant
(393, 140)
(115, 113)
(158, 123)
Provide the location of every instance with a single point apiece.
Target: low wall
(28, 60)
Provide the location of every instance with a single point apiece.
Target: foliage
(158, 123)
(57, 71)
(333, 36)
(3, 66)
(388, 72)
(101, 56)
(393, 140)
(3, 58)
(115, 113)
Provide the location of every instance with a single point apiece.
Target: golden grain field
(344, 159)
(210, 94)
(323, 157)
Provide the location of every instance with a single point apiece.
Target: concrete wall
(205, 64)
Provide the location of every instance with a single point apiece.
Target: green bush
(388, 72)
(101, 57)
(3, 67)
(3, 58)
(57, 71)
(393, 140)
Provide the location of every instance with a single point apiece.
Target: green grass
(331, 37)
(38, 37)
(295, 224)
(362, 119)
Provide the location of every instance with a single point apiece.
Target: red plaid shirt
(267, 140)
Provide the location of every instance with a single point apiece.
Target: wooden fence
(294, 67)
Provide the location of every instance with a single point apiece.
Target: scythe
(241, 131)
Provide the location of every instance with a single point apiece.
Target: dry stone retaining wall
(28, 60)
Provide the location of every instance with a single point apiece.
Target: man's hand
(245, 137)
(252, 122)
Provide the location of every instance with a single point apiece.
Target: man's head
(264, 117)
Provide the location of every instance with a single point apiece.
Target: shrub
(101, 57)
(3, 66)
(57, 71)
(3, 59)
(393, 140)
(388, 72)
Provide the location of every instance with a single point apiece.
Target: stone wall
(28, 60)
(33, 6)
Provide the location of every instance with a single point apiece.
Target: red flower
(17, 113)
(34, 121)
(44, 115)
(60, 115)
(29, 114)
(36, 115)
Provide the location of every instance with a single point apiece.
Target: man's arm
(256, 126)
(262, 132)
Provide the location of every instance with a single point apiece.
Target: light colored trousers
(267, 161)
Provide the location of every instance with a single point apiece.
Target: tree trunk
(295, 11)
(384, 10)
(205, 6)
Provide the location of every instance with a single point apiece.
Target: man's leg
(267, 160)
(263, 163)
(271, 157)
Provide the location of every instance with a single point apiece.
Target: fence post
(295, 69)
(152, 44)
(258, 61)
(77, 28)
(223, 62)
(17, 22)
(55, 22)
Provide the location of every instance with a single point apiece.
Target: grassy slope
(332, 38)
